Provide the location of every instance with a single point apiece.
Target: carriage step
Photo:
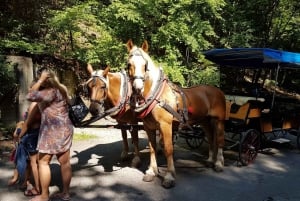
(281, 140)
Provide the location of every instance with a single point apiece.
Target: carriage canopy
(254, 58)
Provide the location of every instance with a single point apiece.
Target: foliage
(7, 80)
(177, 31)
(174, 29)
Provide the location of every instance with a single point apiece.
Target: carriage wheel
(249, 146)
(196, 140)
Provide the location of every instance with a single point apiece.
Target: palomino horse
(160, 103)
(112, 91)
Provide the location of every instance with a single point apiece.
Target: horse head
(97, 89)
(138, 65)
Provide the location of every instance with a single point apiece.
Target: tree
(8, 82)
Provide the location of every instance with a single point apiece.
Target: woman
(29, 137)
(56, 132)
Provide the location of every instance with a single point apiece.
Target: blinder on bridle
(138, 52)
(93, 79)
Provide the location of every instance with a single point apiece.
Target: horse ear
(89, 68)
(106, 70)
(129, 45)
(145, 46)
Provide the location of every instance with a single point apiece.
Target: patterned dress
(56, 130)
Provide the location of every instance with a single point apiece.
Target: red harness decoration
(154, 101)
(191, 110)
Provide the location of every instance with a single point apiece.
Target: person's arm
(32, 111)
(18, 130)
(44, 76)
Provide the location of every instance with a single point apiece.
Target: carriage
(256, 119)
(156, 102)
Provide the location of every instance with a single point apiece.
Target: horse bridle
(96, 75)
(138, 52)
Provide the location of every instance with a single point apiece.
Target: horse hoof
(136, 162)
(168, 183)
(218, 168)
(148, 178)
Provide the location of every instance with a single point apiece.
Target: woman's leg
(44, 174)
(14, 178)
(66, 171)
(26, 183)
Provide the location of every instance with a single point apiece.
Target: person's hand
(15, 137)
(44, 76)
(19, 139)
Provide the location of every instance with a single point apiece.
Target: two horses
(161, 106)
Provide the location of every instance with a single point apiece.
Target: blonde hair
(54, 82)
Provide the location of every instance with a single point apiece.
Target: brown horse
(112, 91)
(160, 104)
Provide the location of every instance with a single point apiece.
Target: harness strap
(184, 109)
(121, 107)
(127, 93)
(183, 116)
(153, 94)
(150, 106)
(169, 109)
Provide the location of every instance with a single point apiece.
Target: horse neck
(114, 92)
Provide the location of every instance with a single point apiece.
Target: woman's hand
(44, 76)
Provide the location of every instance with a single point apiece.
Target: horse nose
(136, 91)
(94, 109)
(138, 85)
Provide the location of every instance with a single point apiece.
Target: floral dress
(56, 130)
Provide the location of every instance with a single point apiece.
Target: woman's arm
(32, 111)
(36, 86)
(18, 130)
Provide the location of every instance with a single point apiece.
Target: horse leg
(166, 132)
(152, 170)
(136, 161)
(210, 138)
(124, 154)
(218, 144)
(160, 143)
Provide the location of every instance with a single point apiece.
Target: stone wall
(25, 72)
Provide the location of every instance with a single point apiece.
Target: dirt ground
(6, 147)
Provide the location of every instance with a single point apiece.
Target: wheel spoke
(249, 147)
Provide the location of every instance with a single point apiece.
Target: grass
(83, 136)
